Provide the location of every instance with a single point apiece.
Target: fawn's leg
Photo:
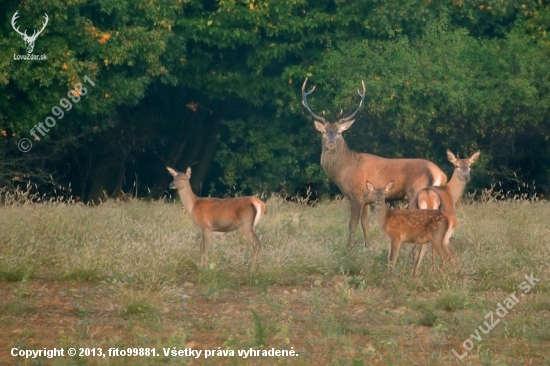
(395, 244)
(441, 252)
(421, 252)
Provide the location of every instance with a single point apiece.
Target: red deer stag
(220, 214)
(412, 226)
(443, 198)
(349, 169)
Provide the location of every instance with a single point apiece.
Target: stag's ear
(188, 173)
(370, 187)
(474, 157)
(320, 127)
(451, 156)
(344, 126)
(172, 171)
(389, 186)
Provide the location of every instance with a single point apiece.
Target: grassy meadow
(125, 274)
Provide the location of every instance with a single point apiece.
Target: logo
(29, 40)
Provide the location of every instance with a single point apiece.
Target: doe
(444, 197)
(412, 226)
(220, 214)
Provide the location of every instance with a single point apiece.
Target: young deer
(220, 214)
(443, 198)
(412, 226)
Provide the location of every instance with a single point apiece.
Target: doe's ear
(344, 126)
(389, 186)
(451, 156)
(320, 127)
(475, 157)
(171, 171)
(370, 187)
(188, 172)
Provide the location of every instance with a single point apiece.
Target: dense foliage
(216, 85)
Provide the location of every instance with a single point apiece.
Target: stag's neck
(456, 187)
(334, 160)
(187, 197)
(381, 213)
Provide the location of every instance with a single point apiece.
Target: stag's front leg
(204, 247)
(365, 222)
(355, 215)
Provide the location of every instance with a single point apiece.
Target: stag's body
(220, 214)
(349, 169)
(443, 198)
(412, 226)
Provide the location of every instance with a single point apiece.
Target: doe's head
(180, 179)
(463, 166)
(379, 193)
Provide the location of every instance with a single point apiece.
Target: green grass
(140, 255)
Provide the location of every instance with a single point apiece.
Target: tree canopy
(216, 85)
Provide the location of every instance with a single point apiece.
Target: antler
(24, 34)
(13, 19)
(304, 102)
(34, 35)
(358, 108)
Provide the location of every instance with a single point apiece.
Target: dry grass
(144, 253)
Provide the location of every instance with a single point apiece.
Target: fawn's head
(462, 166)
(180, 179)
(332, 132)
(379, 193)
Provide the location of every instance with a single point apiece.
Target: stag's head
(332, 132)
(29, 40)
(462, 166)
(379, 193)
(181, 180)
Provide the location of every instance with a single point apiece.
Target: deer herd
(364, 179)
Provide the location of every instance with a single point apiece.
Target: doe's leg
(204, 247)
(249, 235)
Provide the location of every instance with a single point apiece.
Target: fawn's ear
(451, 156)
(370, 187)
(171, 171)
(320, 127)
(344, 126)
(474, 157)
(188, 173)
(389, 186)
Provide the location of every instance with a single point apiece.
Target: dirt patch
(323, 321)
